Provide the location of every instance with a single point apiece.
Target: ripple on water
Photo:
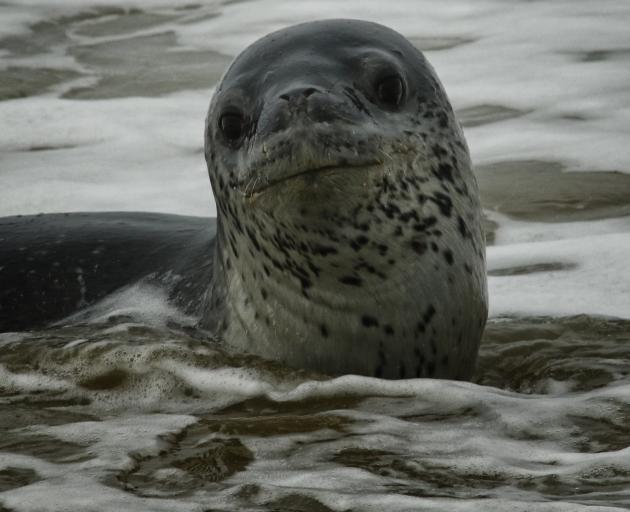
(479, 115)
(123, 52)
(542, 191)
(540, 355)
(10, 478)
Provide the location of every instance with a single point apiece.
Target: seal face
(349, 228)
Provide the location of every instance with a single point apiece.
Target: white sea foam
(26, 382)
(598, 284)
(78, 492)
(114, 440)
(520, 232)
(127, 155)
(141, 302)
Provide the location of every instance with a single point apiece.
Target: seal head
(349, 225)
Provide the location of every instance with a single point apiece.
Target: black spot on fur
(390, 209)
(382, 249)
(407, 216)
(314, 268)
(253, 239)
(351, 280)
(305, 283)
(419, 246)
(443, 202)
(359, 242)
(463, 228)
(426, 224)
(448, 256)
(233, 247)
(322, 250)
(439, 151)
(369, 321)
(444, 172)
(442, 119)
(324, 330)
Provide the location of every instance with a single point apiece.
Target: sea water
(102, 108)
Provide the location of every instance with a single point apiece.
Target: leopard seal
(348, 233)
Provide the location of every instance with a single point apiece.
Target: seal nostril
(297, 93)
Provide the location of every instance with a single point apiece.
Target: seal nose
(302, 103)
(305, 104)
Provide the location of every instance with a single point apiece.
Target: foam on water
(29, 382)
(141, 302)
(51, 156)
(587, 277)
(129, 410)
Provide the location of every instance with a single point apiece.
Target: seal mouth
(258, 186)
(305, 150)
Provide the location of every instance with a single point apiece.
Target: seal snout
(306, 104)
(307, 127)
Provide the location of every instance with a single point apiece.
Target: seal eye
(232, 125)
(390, 90)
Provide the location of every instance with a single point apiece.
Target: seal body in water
(348, 236)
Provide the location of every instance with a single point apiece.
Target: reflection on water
(541, 191)
(123, 415)
(119, 52)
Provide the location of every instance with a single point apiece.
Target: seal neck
(321, 299)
